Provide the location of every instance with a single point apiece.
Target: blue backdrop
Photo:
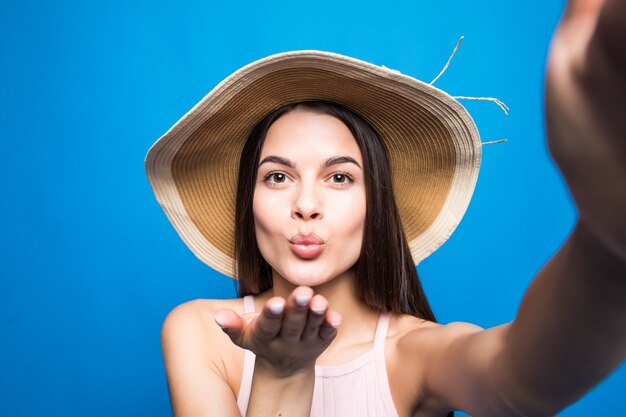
(89, 264)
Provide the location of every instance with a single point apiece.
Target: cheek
(358, 224)
(259, 211)
(262, 216)
(267, 220)
(350, 220)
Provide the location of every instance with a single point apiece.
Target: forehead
(307, 134)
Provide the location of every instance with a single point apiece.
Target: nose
(307, 204)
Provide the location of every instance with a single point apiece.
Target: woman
(311, 197)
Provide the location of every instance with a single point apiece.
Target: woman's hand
(586, 115)
(288, 335)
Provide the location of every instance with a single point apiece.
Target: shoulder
(193, 320)
(191, 341)
(199, 313)
(414, 332)
(415, 349)
(430, 346)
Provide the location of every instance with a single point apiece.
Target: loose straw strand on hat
(500, 103)
(493, 142)
(456, 48)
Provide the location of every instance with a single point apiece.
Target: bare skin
(544, 360)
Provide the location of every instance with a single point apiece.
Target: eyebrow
(278, 160)
(334, 160)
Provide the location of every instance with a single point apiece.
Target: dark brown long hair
(386, 279)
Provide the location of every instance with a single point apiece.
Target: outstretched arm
(570, 331)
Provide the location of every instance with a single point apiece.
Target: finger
(316, 316)
(232, 324)
(328, 329)
(267, 326)
(296, 312)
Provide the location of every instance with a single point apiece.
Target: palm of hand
(287, 336)
(287, 351)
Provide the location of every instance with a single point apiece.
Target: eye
(341, 178)
(276, 178)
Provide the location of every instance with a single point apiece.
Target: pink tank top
(357, 388)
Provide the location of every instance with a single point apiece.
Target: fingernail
(336, 324)
(303, 299)
(217, 320)
(318, 310)
(277, 308)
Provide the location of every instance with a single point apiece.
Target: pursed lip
(306, 246)
(310, 239)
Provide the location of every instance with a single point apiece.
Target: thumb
(232, 324)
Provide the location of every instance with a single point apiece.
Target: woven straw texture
(433, 147)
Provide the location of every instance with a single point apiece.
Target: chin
(309, 274)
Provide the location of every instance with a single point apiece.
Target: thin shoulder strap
(381, 331)
(248, 304)
(382, 379)
(243, 397)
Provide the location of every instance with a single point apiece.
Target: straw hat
(432, 142)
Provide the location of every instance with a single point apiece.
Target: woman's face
(309, 198)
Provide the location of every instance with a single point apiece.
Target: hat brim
(432, 143)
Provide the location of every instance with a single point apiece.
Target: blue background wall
(89, 264)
